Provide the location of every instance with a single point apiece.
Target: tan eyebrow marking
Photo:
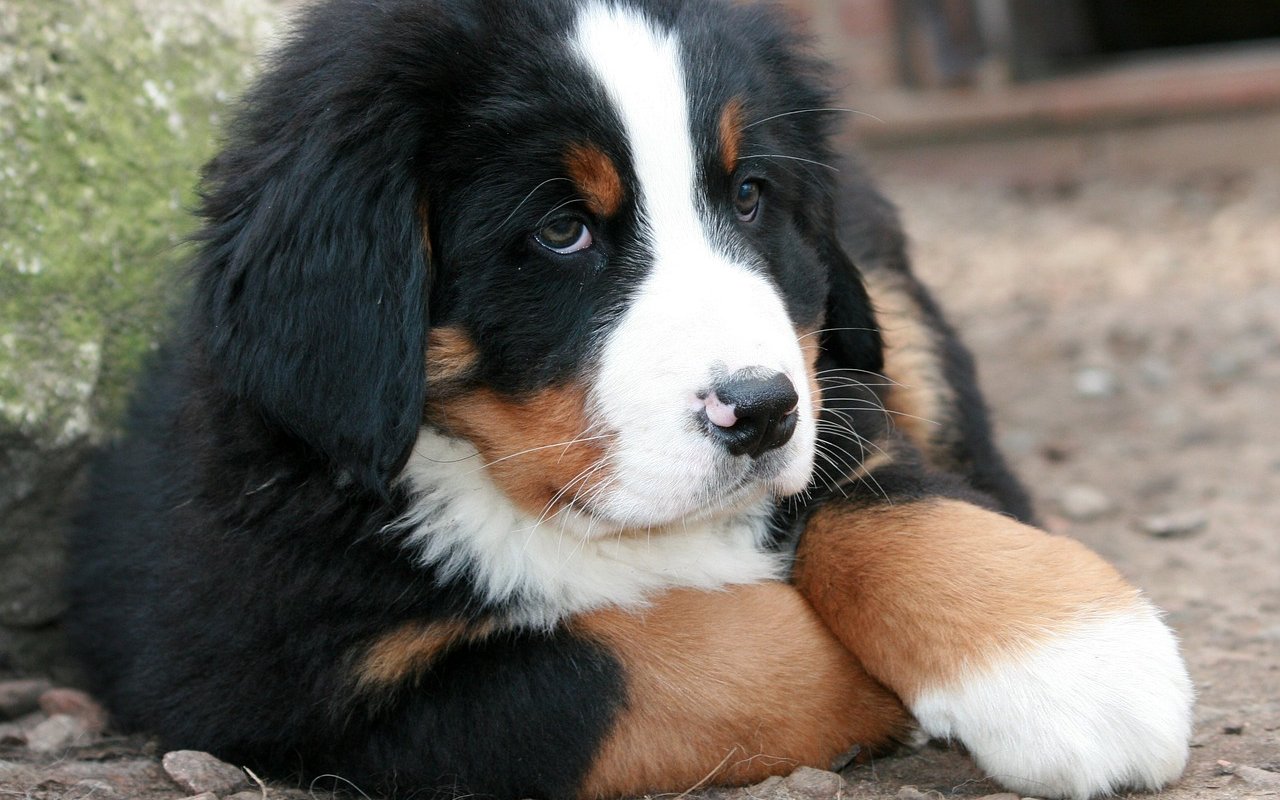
(596, 177)
(731, 134)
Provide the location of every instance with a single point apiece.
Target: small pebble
(768, 789)
(15, 732)
(1084, 503)
(813, 784)
(1234, 730)
(1175, 525)
(1095, 382)
(200, 772)
(1225, 368)
(57, 733)
(1263, 779)
(911, 793)
(96, 789)
(1001, 796)
(1156, 372)
(20, 697)
(75, 703)
(1057, 452)
(1018, 442)
(12, 734)
(846, 759)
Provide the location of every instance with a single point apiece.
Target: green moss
(107, 111)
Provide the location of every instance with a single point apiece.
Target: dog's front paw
(1101, 706)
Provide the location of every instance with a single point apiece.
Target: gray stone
(77, 704)
(1156, 372)
(131, 777)
(20, 697)
(1084, 503)
(1263, 779)
(1096, 383)
(15, 732)
(198, 772)
(807, 783)
(1175, 525)
(1225, 368)
(95, 789)
(12, 774)
(57, 733)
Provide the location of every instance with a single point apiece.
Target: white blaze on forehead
(640, 68)
(703, 310)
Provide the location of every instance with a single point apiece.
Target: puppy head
(608, 226)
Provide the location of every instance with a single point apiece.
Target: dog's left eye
(564, 235)
(747, 200)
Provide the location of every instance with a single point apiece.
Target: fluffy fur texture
(526, 343)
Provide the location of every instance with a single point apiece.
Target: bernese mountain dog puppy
(550, 419)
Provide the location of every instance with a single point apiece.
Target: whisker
(836, 380)
(832, 330)
(527, 196)
(581, 478)
(856, 465)
(841, 370)
(791, 158)
(848, 429)
(591, 523)
(831, 482)
(893, 412)
(580, 439)
(568, 202)
(812, 111)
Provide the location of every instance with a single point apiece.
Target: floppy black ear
(851, 335)
(312, 275)
(847, 236)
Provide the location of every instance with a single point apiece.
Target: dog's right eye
(565, 235)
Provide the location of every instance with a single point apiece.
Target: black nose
(759, 407)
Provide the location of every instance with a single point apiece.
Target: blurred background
(1091, 188)
(1043, 75)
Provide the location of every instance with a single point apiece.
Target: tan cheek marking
(451, 356)
(731, 134)
(534, 447)
(596, 177)
(921, 395)
(405, 652)
(730, 687)
(920, 592)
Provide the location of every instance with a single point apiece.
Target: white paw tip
(1101, 708)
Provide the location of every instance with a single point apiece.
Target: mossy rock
(107, 110)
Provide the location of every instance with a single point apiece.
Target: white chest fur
(547, 568)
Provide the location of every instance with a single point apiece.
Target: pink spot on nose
(721, 414)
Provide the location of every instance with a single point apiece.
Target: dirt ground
(1128, 334)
